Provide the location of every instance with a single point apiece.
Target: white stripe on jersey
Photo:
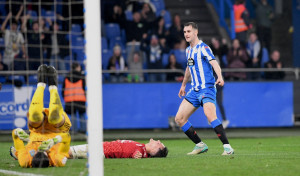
(189, 55)
(194, 69)
(206, 54)
(200, 66)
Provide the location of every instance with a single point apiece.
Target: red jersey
(123, 149)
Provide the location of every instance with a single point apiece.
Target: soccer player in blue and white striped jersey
(200, 65)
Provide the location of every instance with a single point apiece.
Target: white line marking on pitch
(18, 173)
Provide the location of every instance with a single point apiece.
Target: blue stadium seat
(32, 79)
(104, 44)
(128, 14)
(33, 14)
(59, 7)
(76, 28)
(17, 78)
(112, 30)
(78, 41)
(123, 35)
(180, 56)
(224, 59)
(2, 45)
(106, 54)
(2, 79)
(159, 5)
(67, 62)
(264, 57)
(50, 14)
(116, 41)
(168, 19)
(165, 59)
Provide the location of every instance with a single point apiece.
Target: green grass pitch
(253, 156)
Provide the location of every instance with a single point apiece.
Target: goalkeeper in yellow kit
(49, 139)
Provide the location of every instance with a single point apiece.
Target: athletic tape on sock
(215, 123)
(186, 126)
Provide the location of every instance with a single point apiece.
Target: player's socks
(37, 104)
(190, 132)
(217, 126)
(79, 151)
(55, 106)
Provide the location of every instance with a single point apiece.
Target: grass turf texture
(253, 156)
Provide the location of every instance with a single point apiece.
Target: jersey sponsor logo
(191, 62)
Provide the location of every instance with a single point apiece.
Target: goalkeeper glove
(22, 134)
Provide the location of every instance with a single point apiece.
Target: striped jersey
(201, 71)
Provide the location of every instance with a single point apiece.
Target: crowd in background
(135, 36)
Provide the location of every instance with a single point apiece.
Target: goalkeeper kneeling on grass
(49, 139)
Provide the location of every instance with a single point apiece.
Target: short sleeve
(207, 52)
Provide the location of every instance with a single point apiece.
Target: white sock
(52, 87)
(226, 146)
(41, 84)
(79, 151)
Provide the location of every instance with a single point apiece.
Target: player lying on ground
(124, 149)
(115, 149)
(49, 139)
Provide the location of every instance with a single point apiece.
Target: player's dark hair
(161, 153)
(193, 24)
(40, 160)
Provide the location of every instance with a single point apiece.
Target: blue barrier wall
(265, 104)
(148, 105)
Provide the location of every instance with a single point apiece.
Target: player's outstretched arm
(186, 78)
(218, 71)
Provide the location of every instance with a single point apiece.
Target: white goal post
(94, 86)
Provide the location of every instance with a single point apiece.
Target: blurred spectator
(159, 28)
(135, 64)
(147, 14)
(73, 92)
(254, 53)
(219, 50)
(35, 50)
(153, 53)
(175, 32)
(117, 63)
(242, 21)
(13, 40)
(135, 29)
(236, 58)
(57, 52)
(275, 62)
(173, 65)
(117, 15)
(264, 16)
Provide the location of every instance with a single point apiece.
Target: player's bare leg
(55, 107)
(35, 114)
(210, 112)
(186, 109)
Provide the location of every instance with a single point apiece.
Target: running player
(200, 61)
(124, 149)
(49, 140)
